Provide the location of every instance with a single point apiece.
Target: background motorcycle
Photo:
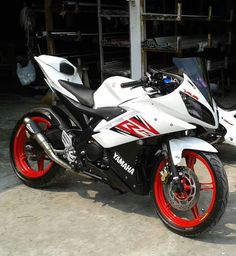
(127, 134)
(226, 132)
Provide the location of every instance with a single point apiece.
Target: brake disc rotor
(184, 201)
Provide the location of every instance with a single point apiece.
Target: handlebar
(156, 82)
(132, 84)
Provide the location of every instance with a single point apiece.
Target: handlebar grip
(131, 84)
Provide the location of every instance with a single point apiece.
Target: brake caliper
(165, 174)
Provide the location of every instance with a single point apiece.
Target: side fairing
(142, 121)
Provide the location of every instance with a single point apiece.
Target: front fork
(173, 149)
(178, 186)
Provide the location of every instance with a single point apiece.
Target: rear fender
(58, 117)
(178, 145)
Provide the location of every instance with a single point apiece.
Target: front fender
(178, 145)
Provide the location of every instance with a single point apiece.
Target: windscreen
(195, 69)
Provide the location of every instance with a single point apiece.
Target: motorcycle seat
(83, 94)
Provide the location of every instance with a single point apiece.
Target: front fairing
(202, 109)
(175, 105)
(195, 91)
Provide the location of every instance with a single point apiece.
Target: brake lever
(149, 76)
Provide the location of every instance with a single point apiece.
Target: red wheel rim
(20, 156)
(196, 217)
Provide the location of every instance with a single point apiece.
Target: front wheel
(203, 200)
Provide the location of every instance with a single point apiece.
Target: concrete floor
(82, 217)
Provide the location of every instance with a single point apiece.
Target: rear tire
(200, 220)
(37, 175)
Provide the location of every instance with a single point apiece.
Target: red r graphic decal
(137, 127)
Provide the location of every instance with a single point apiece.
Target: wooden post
(49, 25)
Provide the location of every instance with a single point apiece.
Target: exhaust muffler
(35, 132)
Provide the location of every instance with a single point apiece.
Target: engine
(66, 144)
(97, 155)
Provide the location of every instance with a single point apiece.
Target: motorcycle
(226, 132)
(227, 120)
(129, 135)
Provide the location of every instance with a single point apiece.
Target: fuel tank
(110, 93)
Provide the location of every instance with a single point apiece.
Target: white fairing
(162, 114)
(110, 93)
(50, 66)
(178, 145)
(228, 120)
(156, 123)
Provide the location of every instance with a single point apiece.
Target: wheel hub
(33, 150)
(183, 201)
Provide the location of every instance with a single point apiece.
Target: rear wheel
(28, 159)
(204, 198)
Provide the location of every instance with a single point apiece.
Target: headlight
(197, 110)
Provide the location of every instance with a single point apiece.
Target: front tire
(210, 186)
(30, 163)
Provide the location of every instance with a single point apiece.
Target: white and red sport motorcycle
(129, 135)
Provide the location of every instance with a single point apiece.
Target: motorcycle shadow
(225, 230)
(223, 233)
(103, 194)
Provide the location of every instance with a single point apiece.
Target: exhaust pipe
(35, 132)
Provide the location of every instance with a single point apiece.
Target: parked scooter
(128, 134)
